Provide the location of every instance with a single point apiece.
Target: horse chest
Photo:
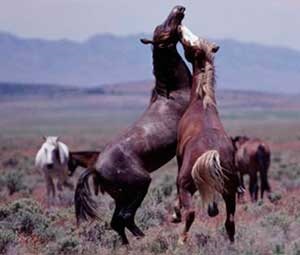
(56, 172)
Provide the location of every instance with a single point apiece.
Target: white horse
(52, 160)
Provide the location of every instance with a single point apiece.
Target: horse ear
(215, 48)
(58, 139)
(146, 41)
(44, 138)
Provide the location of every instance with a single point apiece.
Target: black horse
(123, 168)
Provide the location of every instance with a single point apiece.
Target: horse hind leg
(129, 212)
(117, 223)
(126, 208)
(132, 201)
(264, 183)
(253, 186)
(230, 211)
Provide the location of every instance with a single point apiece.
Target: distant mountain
(105, 59)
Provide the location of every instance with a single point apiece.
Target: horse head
(166, 35)
(196, 50)
(169, 69)
(238, 141)
(53, 151)
(200, 53)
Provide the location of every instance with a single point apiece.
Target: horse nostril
(49, 166)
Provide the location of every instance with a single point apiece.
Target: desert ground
(87, 122)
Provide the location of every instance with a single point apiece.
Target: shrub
(25, 216)
(12, 180)
(7, 238)
(278, 219)
(68, 245)
(274, 197)
(159, 245)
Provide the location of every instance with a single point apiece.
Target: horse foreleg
(50, 189)
(176, 216)
(68, 184)
(212, 209)
(230, 211)
(241, 195)
(185, 197)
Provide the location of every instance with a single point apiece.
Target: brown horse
(252, 156)
(84, 159)
(123, 168)
(205, 153)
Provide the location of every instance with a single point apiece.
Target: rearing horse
(205, 153)
(123, 168)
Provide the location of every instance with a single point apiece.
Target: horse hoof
(213, 210)
(182, 240)
(176, 218)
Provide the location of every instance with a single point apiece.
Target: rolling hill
(105, 59)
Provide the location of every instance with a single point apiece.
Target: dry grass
(28, 227)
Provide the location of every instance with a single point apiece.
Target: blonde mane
(206, 78)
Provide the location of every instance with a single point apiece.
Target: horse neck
(203, 87)
(84, 158)
(170, 71)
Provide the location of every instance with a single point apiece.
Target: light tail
(209, 176)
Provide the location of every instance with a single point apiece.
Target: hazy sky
(275, 22)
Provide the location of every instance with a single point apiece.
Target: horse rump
(85, 206)
(208, 176)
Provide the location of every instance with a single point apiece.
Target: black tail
(263, 158)
(85, 206)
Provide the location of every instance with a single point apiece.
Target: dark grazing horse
(253, 156)
(124, 166)
(205, 153)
